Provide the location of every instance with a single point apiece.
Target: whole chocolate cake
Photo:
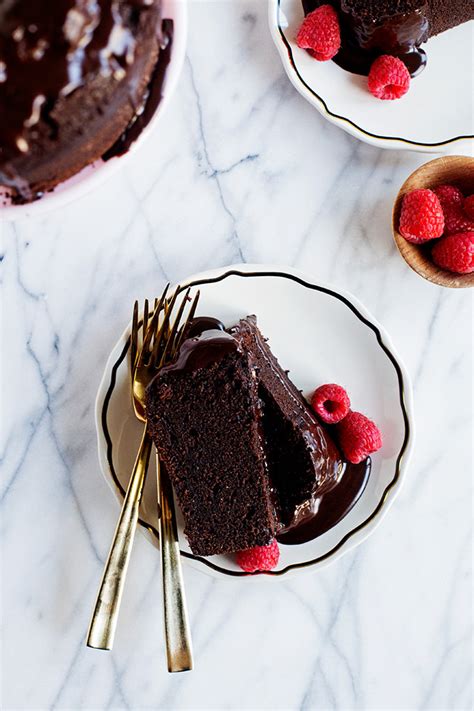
(74, 76)
(246, 455)
(370, 28)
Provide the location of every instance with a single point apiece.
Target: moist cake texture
(204, 415)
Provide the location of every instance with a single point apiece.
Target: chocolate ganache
(310, 487)
(370, 28)
(73, 75)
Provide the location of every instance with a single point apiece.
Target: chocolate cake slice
(370, 28)
(247, 457)
(204, 415)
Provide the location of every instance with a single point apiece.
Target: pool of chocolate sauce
(331, 508)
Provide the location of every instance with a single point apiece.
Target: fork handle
(177, 635)
(104, 618)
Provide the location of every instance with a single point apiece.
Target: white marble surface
(242, 169)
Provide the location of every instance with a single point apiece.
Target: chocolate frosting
(325, 456)
(365, 35)
(73, 74)
(207, 342)
(199, 351)
(46, 50)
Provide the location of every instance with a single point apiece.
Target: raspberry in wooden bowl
(438, 241)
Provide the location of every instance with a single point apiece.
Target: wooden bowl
(457, 170)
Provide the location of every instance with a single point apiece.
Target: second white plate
(322, 336)
(436, 115)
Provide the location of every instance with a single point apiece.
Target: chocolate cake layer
(204, 416)
(73, 76)
(444, 15)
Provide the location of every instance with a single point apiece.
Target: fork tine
(159, 306)
(182, 331)
(159, 338)
(174, 329)
(194, 306)
(169, 306)
(159, 334)
(157, 309)
(145, 316)
(192, 310)
(158, 342)
(159, 303)
(134, 338)
(149, 335)
(166, 332)
(150, 322)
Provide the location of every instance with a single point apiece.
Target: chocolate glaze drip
(321, 513)
(202, 350)
(46, 50)
(364, 38)
(152, 99)
(199, 324)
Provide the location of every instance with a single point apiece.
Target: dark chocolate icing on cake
(370, 28)
(202, 350)
(303, 460)
(73, 76)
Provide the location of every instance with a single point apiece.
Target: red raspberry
(448, 195)
(259, 558)
(388, 78)
(455, 253)
(455, 221)
(319, 33)
(331, 403)
(358, 437)
(421, 216)
(468, 207)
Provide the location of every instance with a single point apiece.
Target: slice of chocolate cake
(246, 455)
(370, 28)
(204, 416)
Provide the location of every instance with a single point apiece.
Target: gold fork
(160, 342)
(177, 635)
(104, 618)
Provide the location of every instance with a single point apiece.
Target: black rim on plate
(388, 488)
(328, 111)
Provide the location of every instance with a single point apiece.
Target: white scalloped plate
(93, 175)
(435, 116)
(321, 335)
